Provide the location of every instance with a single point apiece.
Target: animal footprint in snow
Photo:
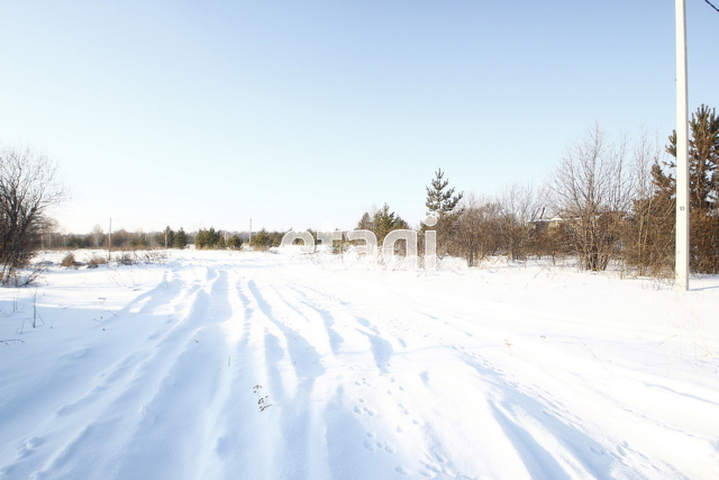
(29, 445)
(262, 402)
(362, 382)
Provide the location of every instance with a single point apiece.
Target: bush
(68, 261)
(126, 259)
(96, 260)
(154, 257)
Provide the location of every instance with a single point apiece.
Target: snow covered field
(218, 365)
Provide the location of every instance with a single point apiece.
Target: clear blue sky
(299, 113)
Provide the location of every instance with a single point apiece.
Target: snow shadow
(532, 428)
(305, 358)
(381, 350)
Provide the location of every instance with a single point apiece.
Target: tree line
(122, 239)
(605, 201)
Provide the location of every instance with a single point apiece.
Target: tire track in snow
(62, 410)
(483, 380)
(356, 422)
(140, 400)
(492, 384)
(332, 313)
(305, 356)
(296, 299)
(191, 388)
(301, 425)
(243, 438)
(342, 406)
(61, 375)
(544, 436)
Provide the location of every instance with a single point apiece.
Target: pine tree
(262, 239)
(366, 222)
(439, 200)
(234, 242)
(703, 158)
(382, 222)
(442, 203)
(385, 221)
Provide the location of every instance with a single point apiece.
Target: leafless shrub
(126, 258)
(154, 257)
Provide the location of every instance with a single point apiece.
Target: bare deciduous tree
(28, 188)
(475, 234)
(519, 205)
(649, 239)
(593, 189)
(97, 236)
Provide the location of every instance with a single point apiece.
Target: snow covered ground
(218, 365)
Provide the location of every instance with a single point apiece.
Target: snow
(219, 365)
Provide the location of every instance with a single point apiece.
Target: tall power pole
(681, 252)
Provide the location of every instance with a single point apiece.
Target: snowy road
(259, 366)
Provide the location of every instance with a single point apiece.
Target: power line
(711, 5)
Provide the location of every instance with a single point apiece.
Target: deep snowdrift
(261, 366)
